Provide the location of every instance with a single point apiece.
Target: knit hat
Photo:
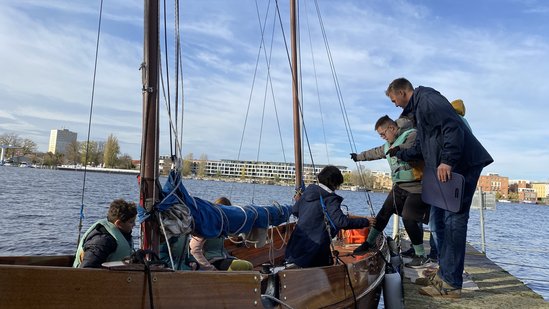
(459, 107)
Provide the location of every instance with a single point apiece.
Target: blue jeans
(450, 232)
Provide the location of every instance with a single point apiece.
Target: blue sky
(492, 54)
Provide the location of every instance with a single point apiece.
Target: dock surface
(496, 288)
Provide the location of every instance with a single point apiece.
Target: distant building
(60, 139)
(494, 183)
(528, 195)
(382, 180)
(272, 171)
(542, 190)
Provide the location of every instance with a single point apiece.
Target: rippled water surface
(40, 214)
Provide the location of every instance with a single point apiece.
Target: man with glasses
(405, 196)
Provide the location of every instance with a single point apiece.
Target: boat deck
(496, 288)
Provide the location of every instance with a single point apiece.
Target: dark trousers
(451, 232)
(407, 205)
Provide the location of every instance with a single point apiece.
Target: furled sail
(211, 220)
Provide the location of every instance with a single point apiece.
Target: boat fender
(392, 289)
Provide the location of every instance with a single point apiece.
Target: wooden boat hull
(50, 282)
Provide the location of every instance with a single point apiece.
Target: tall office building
(60, 139)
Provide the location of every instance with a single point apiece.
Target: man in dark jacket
(447, 145)
(320, 219)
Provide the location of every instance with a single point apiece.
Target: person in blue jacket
(319, 220)
(108, 239)
(446, 145)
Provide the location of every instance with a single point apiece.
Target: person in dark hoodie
(319, 220)
(108, 239)
(447, 145)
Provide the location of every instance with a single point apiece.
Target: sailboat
(51, 282)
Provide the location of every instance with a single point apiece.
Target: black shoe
(362, 249)
(408, 253)
(418, 262)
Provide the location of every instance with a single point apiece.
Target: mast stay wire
(166, 59)
(343, 109)
(268, 82)
(316, 84)
(268, 63)
(90, 121)
(165, 84)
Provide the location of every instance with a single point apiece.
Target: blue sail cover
(211, 220)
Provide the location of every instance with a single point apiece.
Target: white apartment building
(260, 170)
(60, 139)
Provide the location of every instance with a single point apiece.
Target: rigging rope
(167, 71)
(343, 109)
(90, 121)
(316, 85)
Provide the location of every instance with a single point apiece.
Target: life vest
(401, 171)
(123, 247)
(179, 247)
(214, 249)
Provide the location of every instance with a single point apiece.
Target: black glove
(353, 156)
(393, 151)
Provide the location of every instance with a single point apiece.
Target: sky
(491, 54)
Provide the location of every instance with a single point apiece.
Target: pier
(489, 286)
(97, 169)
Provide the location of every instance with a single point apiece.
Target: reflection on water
(41, 212)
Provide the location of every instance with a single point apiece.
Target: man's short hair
(399, 84)
(121, 210)
(385, 121)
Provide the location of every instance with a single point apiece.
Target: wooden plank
(43, 260)
(60, 287)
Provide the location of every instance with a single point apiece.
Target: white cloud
(49, 48)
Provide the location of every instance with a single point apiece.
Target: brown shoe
(439, 288)
(429, 271)
(429, 279)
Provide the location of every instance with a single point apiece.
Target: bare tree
(72, 152)
(10, 139)
(201, 172)
(187, 165)
(365, 180)
(28, 146)
(125, 161)
(90, 153)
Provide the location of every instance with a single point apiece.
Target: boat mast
(295, 93)
(148, 189)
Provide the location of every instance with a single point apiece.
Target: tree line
(94, 153)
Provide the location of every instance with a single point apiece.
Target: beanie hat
(459, 107)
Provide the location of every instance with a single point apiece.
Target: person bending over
(319, 220)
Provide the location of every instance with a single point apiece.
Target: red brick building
(494, 183)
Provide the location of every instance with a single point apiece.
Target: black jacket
(98, 246)
(442, 137)
(309, 245)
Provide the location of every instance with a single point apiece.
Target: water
(41, 213)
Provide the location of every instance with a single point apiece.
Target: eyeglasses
(384, 133)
